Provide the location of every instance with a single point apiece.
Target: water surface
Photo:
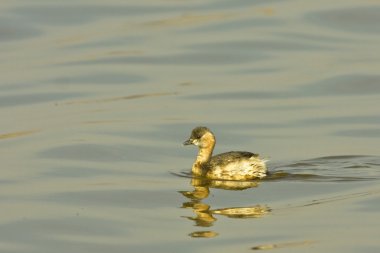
(96, 99)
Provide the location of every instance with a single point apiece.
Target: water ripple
(323, 169)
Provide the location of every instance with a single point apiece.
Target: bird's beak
(188, 142)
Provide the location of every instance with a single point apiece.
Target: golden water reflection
(204, 215)
(17, 134)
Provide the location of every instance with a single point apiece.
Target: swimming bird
(234, 165)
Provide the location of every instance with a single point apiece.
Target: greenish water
(96, 99)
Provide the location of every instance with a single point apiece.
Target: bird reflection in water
(205, 215)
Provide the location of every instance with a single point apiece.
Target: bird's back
(235, 165)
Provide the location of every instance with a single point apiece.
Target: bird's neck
(204, 155)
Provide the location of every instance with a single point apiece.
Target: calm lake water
(97, 97)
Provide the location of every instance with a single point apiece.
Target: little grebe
(234, 165)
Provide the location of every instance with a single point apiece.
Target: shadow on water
(322, 169)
